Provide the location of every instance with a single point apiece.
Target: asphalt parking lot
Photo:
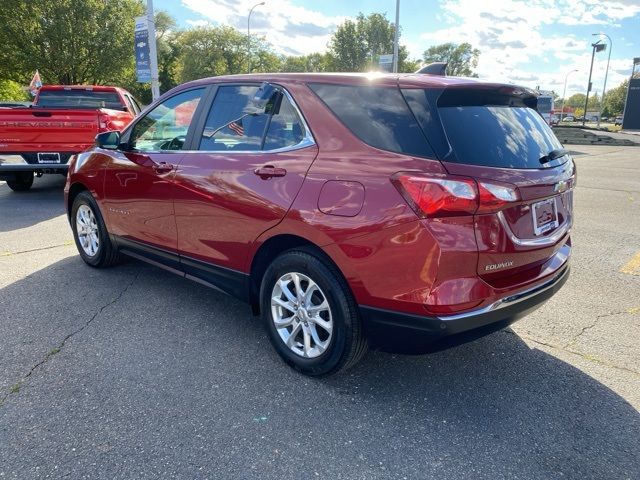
(131, 372)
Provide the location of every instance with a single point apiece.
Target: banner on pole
(385, 62)
(141, 38)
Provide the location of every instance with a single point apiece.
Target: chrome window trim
(307, 139)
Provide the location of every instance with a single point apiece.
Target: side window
(130, 106)
(285, 128)
(228, 127)
(165, 127)
(379, 116)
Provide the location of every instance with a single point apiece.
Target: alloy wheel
(87, 230)
(301, 314)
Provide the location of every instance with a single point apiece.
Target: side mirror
(108, 140)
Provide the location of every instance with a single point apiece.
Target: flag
(35, 84)
(237, 128)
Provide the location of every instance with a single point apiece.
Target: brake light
(494, 196)
(450, 195)
(104, 122)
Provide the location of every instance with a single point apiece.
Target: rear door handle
(269, 171)
(163, 167)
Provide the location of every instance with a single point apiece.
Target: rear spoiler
(436, 68)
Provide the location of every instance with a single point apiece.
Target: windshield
(77, 98)
(499, 136)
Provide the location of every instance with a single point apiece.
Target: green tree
(461, 59)
(68, 41)
(168, 47)
(10, 90)
(357, 45)
(614, 100)
(576, 100)
(209, 51)
(314, 62)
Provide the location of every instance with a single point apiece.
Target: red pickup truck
(62, 121)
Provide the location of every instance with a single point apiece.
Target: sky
(535, 43)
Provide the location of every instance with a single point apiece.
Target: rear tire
(22, 182)
(90, 233)
(310, 314)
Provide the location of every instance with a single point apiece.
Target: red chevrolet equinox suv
(404, 212)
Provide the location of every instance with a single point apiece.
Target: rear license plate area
(49, 158)
(545, 216)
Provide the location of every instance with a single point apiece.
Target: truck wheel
(22, 182)
(90, 233)
(310, 314)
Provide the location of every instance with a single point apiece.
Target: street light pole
(606, 73)
(249, 36)
(396, 36)
(596, 47)
(564, 93)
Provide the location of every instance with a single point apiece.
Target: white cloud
(509, 34)
(290, 28)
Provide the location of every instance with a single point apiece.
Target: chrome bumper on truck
(10, 166)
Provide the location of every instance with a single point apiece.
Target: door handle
(163, 167)
(269, 171)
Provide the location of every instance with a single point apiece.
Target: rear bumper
(10, 166)
(407, 333)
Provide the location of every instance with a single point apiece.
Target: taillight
(494, 196)
(103, 122)
(450, 195)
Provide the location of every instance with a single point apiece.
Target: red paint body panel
(222, 205)
(338, 196)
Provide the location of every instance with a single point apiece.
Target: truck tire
(22, 181)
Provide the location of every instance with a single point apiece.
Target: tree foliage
(68, 41)
(461, 59)
(357, 45)
(10, 90)
(614, 100)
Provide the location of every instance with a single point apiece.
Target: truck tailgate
(47, 130)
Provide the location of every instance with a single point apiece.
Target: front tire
(90, 233)
(310, 314)
(22, 182)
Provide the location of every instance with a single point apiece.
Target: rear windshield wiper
(553, 154)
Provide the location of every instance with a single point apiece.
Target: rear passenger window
(229, 127)
(379, 116)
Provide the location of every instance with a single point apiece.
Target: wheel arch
(269, 250)
(75, 189)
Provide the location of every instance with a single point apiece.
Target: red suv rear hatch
(493, 135)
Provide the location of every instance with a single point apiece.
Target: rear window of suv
(489, 130)
(379, 116)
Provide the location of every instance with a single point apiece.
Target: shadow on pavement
(178, 375)
(23, 209)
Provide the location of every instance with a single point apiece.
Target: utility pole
(564, 93)
(597, 47)
(396, 36)
(606, 73)
(153, 52)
